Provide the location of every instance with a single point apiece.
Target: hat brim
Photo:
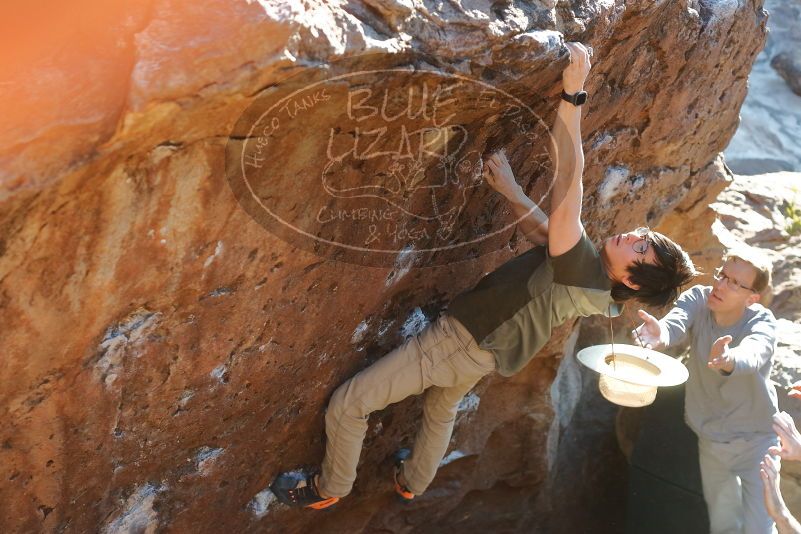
(634, 364)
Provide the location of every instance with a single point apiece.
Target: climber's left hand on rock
(500, 177)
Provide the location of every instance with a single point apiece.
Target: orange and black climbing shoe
(297, 488)
(403, 493)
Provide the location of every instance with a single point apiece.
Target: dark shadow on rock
(665, 494)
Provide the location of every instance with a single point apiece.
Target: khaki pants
(443, 359)
(733, 487)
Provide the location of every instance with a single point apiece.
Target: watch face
(581, 97)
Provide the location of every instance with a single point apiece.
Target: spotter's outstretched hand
(789, 437)
(649, 333)
(719, 357)
(769, 471)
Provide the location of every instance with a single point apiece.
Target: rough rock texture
(770, 119)
(165, 356)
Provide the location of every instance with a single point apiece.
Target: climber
(729, 398)
(501, 323)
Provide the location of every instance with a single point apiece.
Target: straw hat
(631, 377)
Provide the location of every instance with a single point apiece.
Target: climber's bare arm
(532, 222)
(565, 223)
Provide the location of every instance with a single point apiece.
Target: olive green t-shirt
(512, 311)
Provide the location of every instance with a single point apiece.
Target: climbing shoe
(296, 488)
(403, 493)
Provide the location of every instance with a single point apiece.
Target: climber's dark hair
(660, 284)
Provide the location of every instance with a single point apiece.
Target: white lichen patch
(185, 397)
(261, 502)
(469, 403)
(138, 514)
(403, 264)
(205, 458)
(385, 326)
(602, 140)
(123, 339)
(359, 332)
(637, 182)
(612, 184)
(217, 251)
(265, 500)
(220, 373)
(414, 324)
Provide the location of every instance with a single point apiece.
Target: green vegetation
(793, 213)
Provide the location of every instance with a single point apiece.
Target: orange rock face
(167, 349)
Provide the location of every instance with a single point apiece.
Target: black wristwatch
(575, 99)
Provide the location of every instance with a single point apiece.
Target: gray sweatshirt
(718, 406)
